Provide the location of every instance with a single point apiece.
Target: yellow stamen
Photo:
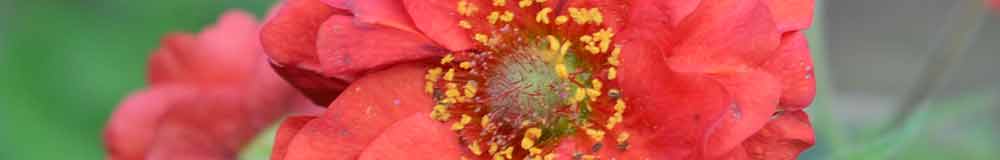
(493, 17)
(543, 15)
(561, 20)
(440, 113)
(461, 123)
(579, 95)
(433, 74)
(596, 84)
(623, 137)
(484, 121)
(465, 65)
(499, 3)
(466, 9)
(482, 38)
(596, 135)
(450, 75)
(429, 87)
(612, 73)
(524, 3)
(447, 59)
(564, 48)
(561, 71)
(550, 156)
(507, 16)
(465, 24)
(493, 148)
(474, 147)
(553, 43)
(595, 16)
(613, 59)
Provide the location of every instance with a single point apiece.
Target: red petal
(289, 128)
(723, 35)
(348, 49)
(164, 64)
(783, 138)
(339, 4)
(438, 19)
(690, 114)
(320, 89)
(653, 15)
(791, 15)
(289, 36)
(382, 12)
(793, 65)
(369, 106)
(416, 137)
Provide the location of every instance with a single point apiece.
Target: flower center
(529, 85)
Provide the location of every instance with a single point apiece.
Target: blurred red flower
(993, 4)
(708, 79)
(208, 96)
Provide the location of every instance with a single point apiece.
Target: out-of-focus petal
(133, 125)
(791, 15)
(286, 132)
(438, 20)
(793, 66)
(416, 137)
(340, 4)
(369, 106)
(373, 47)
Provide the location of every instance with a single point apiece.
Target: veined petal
(369, 106)
(375, 47)
(415, 137)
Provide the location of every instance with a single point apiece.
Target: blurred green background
(64, 65)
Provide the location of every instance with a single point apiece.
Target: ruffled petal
(372, 47)
(388, 13)
(724, 35)
(369, 106)
(289, 36)
(653, 15)
(690, 114)
(793, 66)
(416, 137)
(791, 15)
(783, 138)
(286, 132)
(438, 19)
(289, 39)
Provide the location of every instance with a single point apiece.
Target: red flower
(562, 79)
(993, 4)
(208, 95)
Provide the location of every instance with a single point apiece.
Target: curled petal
(438, 20)
(783, 138)
(416, 137)
(793, 66)
(373, 47)
(363, 112)
(289, 36)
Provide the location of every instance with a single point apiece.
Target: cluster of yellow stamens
(464, 83)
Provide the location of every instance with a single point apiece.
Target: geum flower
(545, 79)
(208, 96)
